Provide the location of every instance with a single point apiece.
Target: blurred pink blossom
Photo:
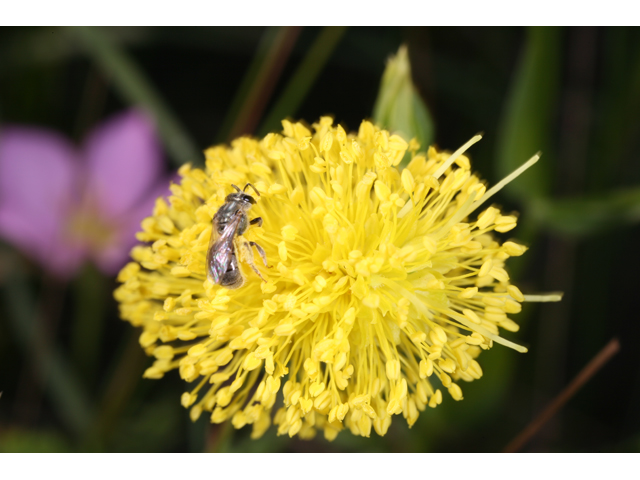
(62, 205)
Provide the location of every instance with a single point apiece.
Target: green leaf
(303, 79)
(527, 121)
(33, 441)
(137, 90)
(588, 215)
(399, 106)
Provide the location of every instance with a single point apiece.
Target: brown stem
(565, 395)
(264, 85)
(217, 437)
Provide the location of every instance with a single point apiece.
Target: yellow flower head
(380, 292)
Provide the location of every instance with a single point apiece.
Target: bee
(229, 222)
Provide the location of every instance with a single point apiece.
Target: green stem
(219, 438)
(90, 288)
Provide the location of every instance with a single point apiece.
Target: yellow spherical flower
(379, 293)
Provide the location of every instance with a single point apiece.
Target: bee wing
(221, 249)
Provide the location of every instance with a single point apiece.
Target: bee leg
(249, 258)
(260, 251)
(256, 221)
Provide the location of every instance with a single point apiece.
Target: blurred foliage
(574, 93)
(588, 215)
(399, 106)
(136, 90)
(529, 109)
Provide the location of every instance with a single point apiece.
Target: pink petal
(124, 162)
(111, 259)
(38, 175)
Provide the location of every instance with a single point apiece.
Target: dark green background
(73, 381)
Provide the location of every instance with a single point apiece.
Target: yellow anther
(340, 361)
(169, 304)
(251, 362)
(322, 401)
(455, 391)
(468, 292)
(360, 400)
(148, 338)
(187, 399)
(511, 306)
(197, 350)
(393, 369)
(487, 218)
(369, 411)
(372, 300)
(485, 268)
(493, 301)
(236, 384)
(505, 223)
(284, 329)
(440, 334)
(303, 144)
(273, 384)
(513, 249)
(447, 365)
(382, 191)
(260, 169)
(509, 325)
(349, 316)
(164, 352)
(499, 274)
(430, 244)
(276, 188)
(250, 335)
(282, 251)
(316, 389)
(515, 293)
(289, 232)
(418, 337)
(474, 339)
(327, 142)
(224, 356)
(310, 308)
(408, 182)
(343, 408)
(426, 368)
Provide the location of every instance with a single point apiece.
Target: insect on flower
(388, 286)
(229, 222)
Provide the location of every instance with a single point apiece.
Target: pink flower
(61, 205)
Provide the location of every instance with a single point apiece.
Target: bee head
(240, 197)
(248, 198)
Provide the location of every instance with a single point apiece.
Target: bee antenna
(249, 185)
(234, 186)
